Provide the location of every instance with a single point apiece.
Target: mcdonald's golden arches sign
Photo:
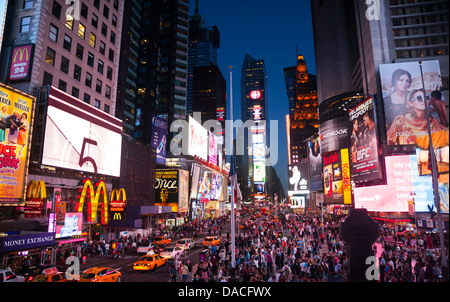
(20, 62)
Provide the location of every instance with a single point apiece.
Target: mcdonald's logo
(116, 200)
(92, 194)
(21, 52)
(117, 216)
(36, 190)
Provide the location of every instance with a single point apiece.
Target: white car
(145, 248)
(6, 275)
(170, 252)
(186, 243)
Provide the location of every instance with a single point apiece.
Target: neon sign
(93, 195)
(255, 94)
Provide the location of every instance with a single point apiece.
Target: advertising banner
(216, 188)
(315, 165)
(259, 171)
(336, 174)
(195, 179)
(16, 118)
(258, 152)
(159, 138)
(441, 149)
(183, 191)
(198, 139)
(298, 179)
(212, 155)
(365, 149)
(73, 223)
(81, 137)
(334, 135)
(21, 62)
(166, 188)
(404, 106)
(205, 186)
(403, 184)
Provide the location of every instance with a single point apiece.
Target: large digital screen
(159, 137)
(365, 151)
(334, 134)
(72, 226)
(315, 165)
(166, 188)
(15, 125)
(216, 188)
(404, 106)
(259, 171)
(212, 154)
(403, 184)
(441, 150)
(198, 139)
(336, 174)
(298, 179)
(258, 152)
(81, 137)
(205, 186)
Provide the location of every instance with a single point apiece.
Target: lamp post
(434, 176)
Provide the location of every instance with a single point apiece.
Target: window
(90, 59)
(100, 66)
(109, 73)
(81, 30)
(106, 11)
(62, 85)
(77, 73)
(108, 92)
(56, 9)
(97, 103)
(65, 65)
(53, 34)
(112, 38)
(92, 39)
(50, 56)
(97, 4)
(69, 21)
(88, 81)
(67, 44)
(102, 48)
(111, 55)
(87, 98)
(106, 108)
(48, 79)
(94, 20)
(27, 4)
(116, 4)
(98, 86)
(84, 11)
(25, 24)
(114, 20)
(80, 50)
(104, 29)
(75, 92)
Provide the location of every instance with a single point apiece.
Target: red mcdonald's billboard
(20, 62)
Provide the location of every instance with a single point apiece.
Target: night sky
(269, 30)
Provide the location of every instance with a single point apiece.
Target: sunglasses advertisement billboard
(16, 110)
(336, 174)
(404, 103)
(403, 185)
(365, 151)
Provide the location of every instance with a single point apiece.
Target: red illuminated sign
(255, 94)
(20, 62)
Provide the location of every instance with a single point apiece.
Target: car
(100, 274)
(211, 241)
(186, 243)
(146, 263)
(161, 240)
(30, 272)
(146, 247)
(7, 275)
(52, 277)
(171, 252)
(406, 233)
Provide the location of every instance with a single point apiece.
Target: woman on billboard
(395, 103)
(413, 123)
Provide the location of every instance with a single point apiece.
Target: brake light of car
(93, 280)
(30, 278)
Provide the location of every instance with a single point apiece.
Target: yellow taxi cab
(101, 274)
(162, 240)
(53, 277)
(258, 215)
(149, 262)
(211, 241)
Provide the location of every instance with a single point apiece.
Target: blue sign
(159, 137)
(27, 242)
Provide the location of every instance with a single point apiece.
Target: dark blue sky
(269, 30)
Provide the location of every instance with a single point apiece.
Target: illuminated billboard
(198, 139)
(334, 134)
(159, 137)
(81, 137)
(403, 184)
(365, 151)
(336, 174)
(16, 119)
(212, 154)
(258, 152)
(315, 165)
(298, 179)
(259, 171)
(172, 189)
(72, 225)
(21, 60)
(404, 107)
(205, 186)
(255, 94)
(441, 150)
